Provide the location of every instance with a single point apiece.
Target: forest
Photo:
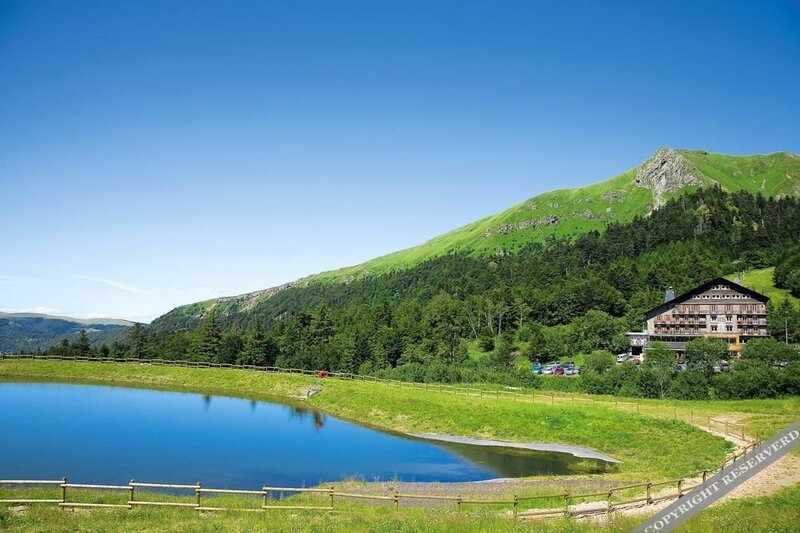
(460, 318)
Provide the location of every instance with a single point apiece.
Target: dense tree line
(554, 299)
(767, 368)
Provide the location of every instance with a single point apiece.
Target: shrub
(689, 385)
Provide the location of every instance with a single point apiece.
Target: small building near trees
(719, 308)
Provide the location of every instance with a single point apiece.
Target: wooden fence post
(566, 503)
(133, 488)
(516, 504)
(396, 500)
(458, 502)
(705, 474)
(266, 494)
(197, 491)
(63, 490)
(680, 488)
(331, 494)
(608, 507)
(649, 495)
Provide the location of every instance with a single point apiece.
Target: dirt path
(781, 475)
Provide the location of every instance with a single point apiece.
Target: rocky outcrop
(667, 171)
(525, 224)
(614, 196)
(250, 296)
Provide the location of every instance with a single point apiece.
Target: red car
(558, 370)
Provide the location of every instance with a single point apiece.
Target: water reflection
(302, 413)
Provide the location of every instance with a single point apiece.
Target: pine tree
(81, 346)
(207, 343)
(137, 342)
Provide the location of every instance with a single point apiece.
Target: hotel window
(713, 328)
(728, 328)
(728, 317)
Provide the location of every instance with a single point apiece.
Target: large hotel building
(718, 308)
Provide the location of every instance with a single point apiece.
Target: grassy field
(650, 449)
(760, 280)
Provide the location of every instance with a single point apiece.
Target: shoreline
(580, 452)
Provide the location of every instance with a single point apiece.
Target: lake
(109, 435)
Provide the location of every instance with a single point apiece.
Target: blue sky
(155, 153)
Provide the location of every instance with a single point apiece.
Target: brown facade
(719, 308)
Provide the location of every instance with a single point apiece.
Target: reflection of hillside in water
(513, 462)
(503, 461)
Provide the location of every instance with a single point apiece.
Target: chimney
(669, 294)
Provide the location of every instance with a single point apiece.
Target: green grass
(760, 280)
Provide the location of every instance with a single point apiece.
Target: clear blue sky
(155, 153)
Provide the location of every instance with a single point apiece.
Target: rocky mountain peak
(667, 171)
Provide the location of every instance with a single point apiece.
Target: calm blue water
(95, 434)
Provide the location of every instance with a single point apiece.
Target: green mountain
(570, 212)
(32, 331)
(564, 213)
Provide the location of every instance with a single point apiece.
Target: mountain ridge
(34, 331)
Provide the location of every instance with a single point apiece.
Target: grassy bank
(649, 448)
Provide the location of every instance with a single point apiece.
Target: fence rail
(635, 493)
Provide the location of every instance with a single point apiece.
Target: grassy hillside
(761, 280)
(570, 212)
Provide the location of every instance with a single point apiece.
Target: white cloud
(114, 284)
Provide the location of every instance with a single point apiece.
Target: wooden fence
(607, 500)
(517, 394)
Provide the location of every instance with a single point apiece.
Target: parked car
(548, 368)
(680, 367)
(569, 368)
(722, 366)
(621, 358)
(537, 368)
(558, 370)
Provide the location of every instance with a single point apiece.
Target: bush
(599, 361)
(689, 385)
(790, 379)
(486, 344)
